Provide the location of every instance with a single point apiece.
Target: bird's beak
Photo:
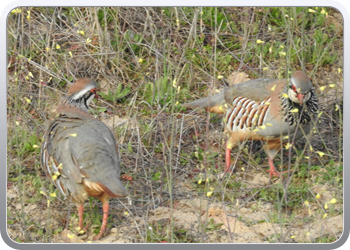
(301, 98)
(94, 92)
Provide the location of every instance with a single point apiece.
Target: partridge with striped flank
(271, 110)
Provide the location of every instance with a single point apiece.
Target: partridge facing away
(79, 153)
(270, 110)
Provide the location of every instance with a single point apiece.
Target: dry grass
(148, 61)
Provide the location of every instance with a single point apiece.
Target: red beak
(300, 98)
(94, 92)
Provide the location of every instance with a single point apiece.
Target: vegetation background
(148, 61)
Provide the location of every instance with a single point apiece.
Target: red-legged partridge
(270, 110)
(80, 154)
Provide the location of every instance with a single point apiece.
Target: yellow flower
(326, 206)
(259, 41)
(285, 95)
(312, 11)
(296, 110)
(269, 124)
(70, 53)
(288, 145)
(27, 100)
(53, 195)
(324, 12)
(306, 203)
(16, 11)
(339, 70)
(28, 16)
(174, 83)
(332, 85)
(140, 60)
(336, 107)
(220, 77)
(70, 236)
(322, 88)
(273, 88)
(48, 203)
(81, 32)
(318, 196)
(320, 153)
(35, 146)
(292, 237)
(58, 46)
(73, 135)
(88, 40)
(324, 216)
(209, 194)
(311, 148)
(282, 53)
(266, 68)
(333, 201)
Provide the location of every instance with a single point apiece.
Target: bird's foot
(97, 237)
(223, 174)
(274, 173)
(81, 230)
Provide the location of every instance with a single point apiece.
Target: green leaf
(156, 176)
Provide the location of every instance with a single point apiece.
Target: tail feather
(213, 104)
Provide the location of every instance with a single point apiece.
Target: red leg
(104, 220)
(272, 170)
(80, 215)
(227, 159)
